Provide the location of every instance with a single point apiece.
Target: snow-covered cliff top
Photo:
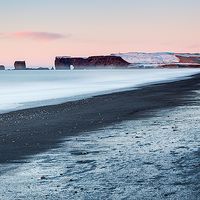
(151, 58)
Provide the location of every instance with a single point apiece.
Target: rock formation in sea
(2, 67)
(90, 62)
(20, 65)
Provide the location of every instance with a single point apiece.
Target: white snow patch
(151, 58)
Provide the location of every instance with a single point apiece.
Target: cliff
(148, 58)
(162, 59)
(90, 62)
(185, 61)
(20, 65)
(62, 63)
(188, 58)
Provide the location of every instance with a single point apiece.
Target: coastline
(30, 131)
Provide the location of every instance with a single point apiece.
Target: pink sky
(41, 32)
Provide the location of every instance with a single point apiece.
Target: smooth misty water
(153, 157)
(26, 89)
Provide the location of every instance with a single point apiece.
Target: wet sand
(31, 131)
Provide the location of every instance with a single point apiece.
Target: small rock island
(20, 65)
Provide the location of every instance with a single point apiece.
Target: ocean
(27, 89)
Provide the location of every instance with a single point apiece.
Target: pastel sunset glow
(44, 36)
(39, 30)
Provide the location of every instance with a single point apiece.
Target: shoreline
(31, 131)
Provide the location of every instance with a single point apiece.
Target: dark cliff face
(20, 65)
(188, 59)
(107, 61)
(2, 67)
(62, 63)
(90, 62)
(185, 61)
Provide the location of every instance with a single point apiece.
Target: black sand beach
(31, 131)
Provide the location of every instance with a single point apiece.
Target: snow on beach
(26, 89)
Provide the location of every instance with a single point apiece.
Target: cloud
(45, 36)
(40, 36)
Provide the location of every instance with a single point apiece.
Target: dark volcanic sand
(31, 131)
(142, 144)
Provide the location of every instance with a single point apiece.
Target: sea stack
(2, 67)
(20, 65)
